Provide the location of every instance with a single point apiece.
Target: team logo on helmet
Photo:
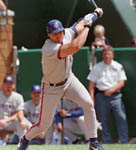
(56, 25)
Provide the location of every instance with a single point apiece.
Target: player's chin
(59, 40)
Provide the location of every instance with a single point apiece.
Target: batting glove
(92, 17)
(99, 12)
(88, 20)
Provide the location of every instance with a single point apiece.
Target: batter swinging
(58, 79)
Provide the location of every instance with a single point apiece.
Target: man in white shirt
(107, 78)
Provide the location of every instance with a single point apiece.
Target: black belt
(59, 83)
(98, 91)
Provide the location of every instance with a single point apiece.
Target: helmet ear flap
(54, 26)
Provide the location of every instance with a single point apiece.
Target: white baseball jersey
(32, 111)
(56, 70)
(107, 76)
(9, 105)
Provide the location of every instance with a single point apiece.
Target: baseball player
(58, 79)
(32, 112)
(11, 109)
(73, 120)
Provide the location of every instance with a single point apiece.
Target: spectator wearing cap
(32, 107)
(32, 111)
(11, 110)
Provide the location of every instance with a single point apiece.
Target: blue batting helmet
(54, 26)
(8, 79)
(36, 88)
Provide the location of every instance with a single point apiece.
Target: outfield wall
(30, 73)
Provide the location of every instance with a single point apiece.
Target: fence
(30, 73)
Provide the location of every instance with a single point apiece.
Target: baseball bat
(93, 2)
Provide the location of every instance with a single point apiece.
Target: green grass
(72, 147)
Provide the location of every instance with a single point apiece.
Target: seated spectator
(73, 121)
(11, 110)
(107, 78)
(32, 112)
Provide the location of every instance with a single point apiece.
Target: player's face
(35, 97)
(107, 57)
(57, 37)
(8, 87)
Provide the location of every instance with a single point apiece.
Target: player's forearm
(11, 118)
(75, 45)
(22, 120)
(81, 39)
(20, 115)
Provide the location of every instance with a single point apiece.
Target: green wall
(31, 73)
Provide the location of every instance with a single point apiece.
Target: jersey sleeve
(51, 49)
(20, 103)
(122, 74)
(75, 113)
(26, 107)
(93, 75)
(70, 34)
(57, 118)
